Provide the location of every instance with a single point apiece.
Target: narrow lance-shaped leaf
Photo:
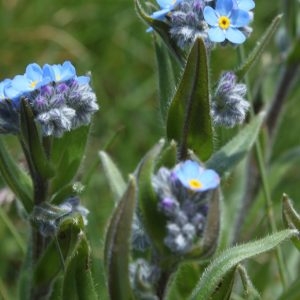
(227, 260)
(166, 78)
(67, 153)
(233, 152)
(78, 282)
(17, 180)
(31, 141)
(113, 175)
(224, 288)
(163, 29)
(257, 52)
(189, 121)
(148, 201)
(117, 247)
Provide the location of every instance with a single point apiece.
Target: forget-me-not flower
(60, 73)
(183, 194)
(195, 177)
(225, 22)
(31, 80)
(60, 100)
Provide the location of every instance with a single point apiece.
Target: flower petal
(165, 3)
(160, 14)
(224, 7)
(34, 72)
(216, 34)
(209, 179)
(240, 18)
(246, 4)
(210, 16)
(235, 36)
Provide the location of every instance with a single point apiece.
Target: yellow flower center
(32, 84)
(224, 22)
(195, 184)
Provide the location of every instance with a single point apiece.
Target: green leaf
(233, 152)
(78, 282)
(166, 77)
(163, 29)
(168, 157)
(62, 194)
(50, 264)
(148, 199)
(67, 154)
(33, 145)
(183, 281)
(113, 175)
(17, 180)
(224, 288)
(257, 52)
(227, 260)
(188, 120)
(117, 245)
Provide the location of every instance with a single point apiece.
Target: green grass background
(107, 38)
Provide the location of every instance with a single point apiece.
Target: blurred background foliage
(106, 38)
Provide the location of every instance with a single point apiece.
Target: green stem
(12, 230)
(265, 184)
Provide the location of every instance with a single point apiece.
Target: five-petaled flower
(196, 178)
(225, 21)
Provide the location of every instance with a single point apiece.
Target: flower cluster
(183, 192)
(215, 21)
(228, 106)
(60, 100)
(48, 217)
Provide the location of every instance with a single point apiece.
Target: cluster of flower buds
(215, 21)
(48, 217)
(60, 100)
(183, 194)
(228, 106)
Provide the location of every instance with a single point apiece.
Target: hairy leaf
(188, 121)
(113, 175)
(227, 260)
(235, 150)
(117, 247)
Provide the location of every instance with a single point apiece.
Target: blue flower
(225, 21)
(30, 81)
(245, 4)
(59, 73)
(195, 177)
